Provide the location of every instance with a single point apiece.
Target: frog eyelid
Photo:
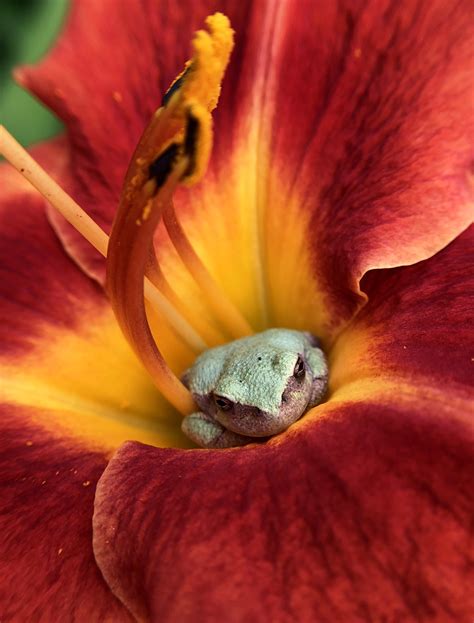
(222, 403)
(300, 368)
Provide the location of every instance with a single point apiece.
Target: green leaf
(28, 29)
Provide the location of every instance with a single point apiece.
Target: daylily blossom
(337, 200)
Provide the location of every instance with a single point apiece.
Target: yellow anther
(206, 69)
(195, 93)
(188, 105)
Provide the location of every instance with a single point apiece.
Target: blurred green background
(28, 29)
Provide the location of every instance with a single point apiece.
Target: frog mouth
(255, 422)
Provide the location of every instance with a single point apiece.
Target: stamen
(175, 86)
(192, 96)
(191, 141)
(162, 166)
(182, 131)
(156, 276)
(174, 148)
(226, 312)
(21, 160)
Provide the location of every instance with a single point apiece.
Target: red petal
(362, 516)
(63, 368)
(39, 284)
(47, 567)
(362, 511)
(416, 327)
(354, 141)
(372, 133)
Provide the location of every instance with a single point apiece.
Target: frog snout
(256, 422)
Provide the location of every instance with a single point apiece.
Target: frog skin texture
(254, 387)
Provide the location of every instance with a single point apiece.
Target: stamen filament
(158, 279)
(21, 160)
(227, 313)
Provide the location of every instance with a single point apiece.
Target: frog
(254, 388)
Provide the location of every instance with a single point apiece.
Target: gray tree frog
(254, 387)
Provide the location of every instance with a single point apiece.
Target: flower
(340, 147)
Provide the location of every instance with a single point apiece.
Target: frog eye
(299, 370)
(224, 404)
